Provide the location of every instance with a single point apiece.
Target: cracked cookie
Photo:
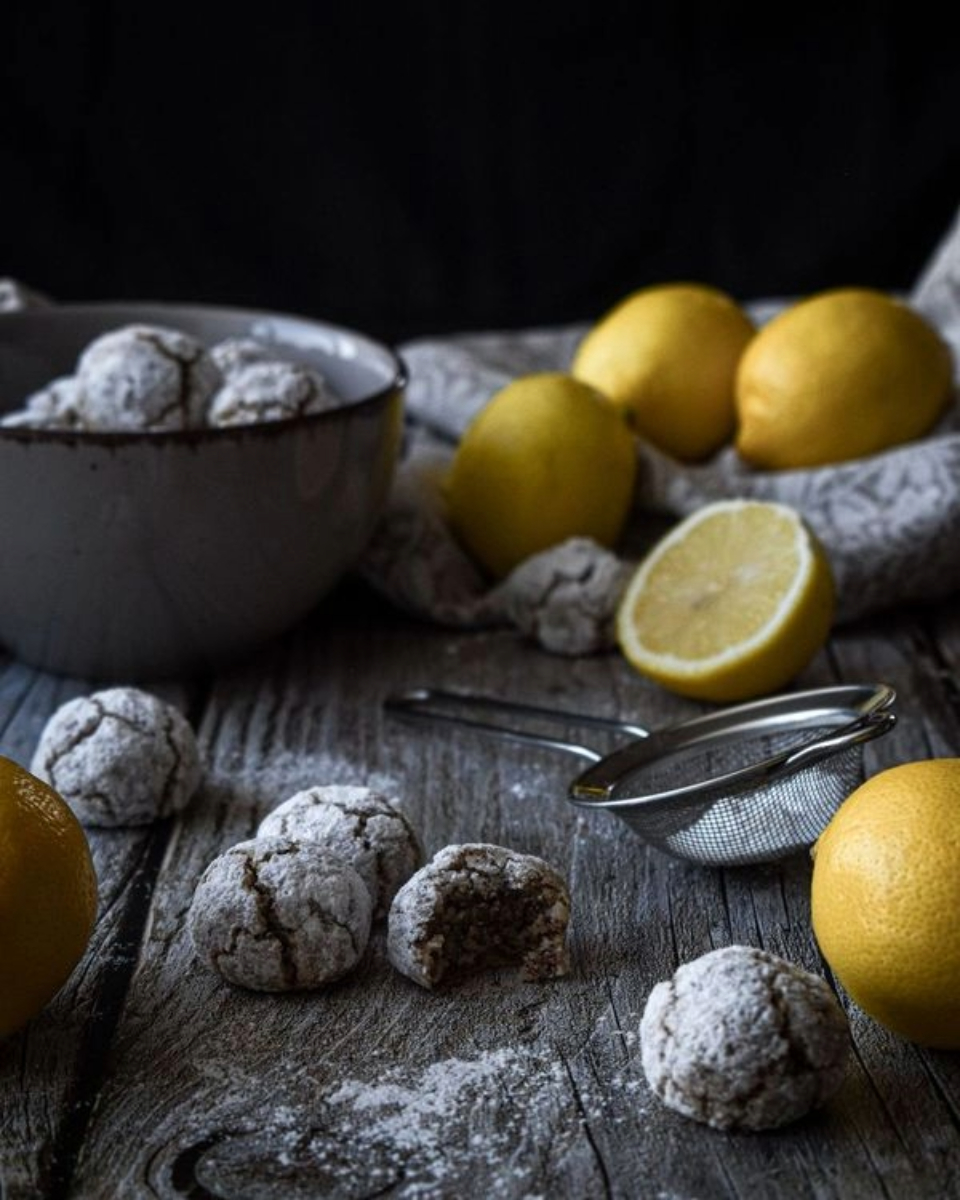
(565, 598)
(742, 1039)
(361, 826)
(52, 407)
(232, 354)
(143, 377)
(270, 391)
(119, 757)
(476, 906)
(277, 915)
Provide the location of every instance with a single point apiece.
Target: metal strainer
(750, 783)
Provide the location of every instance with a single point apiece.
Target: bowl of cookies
(181, 483)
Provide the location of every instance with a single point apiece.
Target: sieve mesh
(784, 815)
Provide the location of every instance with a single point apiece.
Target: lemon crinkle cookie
(233, 354)
(119, 757)
(142, 377)
(275, 915)
(479, 905)
(742, 1039)
(270, 391)
(360, 825)
(52, 407)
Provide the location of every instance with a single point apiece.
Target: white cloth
(890, 523)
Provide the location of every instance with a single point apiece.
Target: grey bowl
(136, 556)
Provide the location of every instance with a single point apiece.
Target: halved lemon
(732, 603)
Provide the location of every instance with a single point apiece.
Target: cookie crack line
(329, 921)
(267, 912)
(86, 730)
(181, 403)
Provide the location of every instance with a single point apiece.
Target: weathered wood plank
(51, 1071)
(374, 1087)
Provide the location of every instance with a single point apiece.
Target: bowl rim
(260, 429)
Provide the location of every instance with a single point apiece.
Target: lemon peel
(667, 356)
(548, 458)
(48, 894)
(885, 892)
(840, 375)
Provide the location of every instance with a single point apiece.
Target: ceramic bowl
(137, 556)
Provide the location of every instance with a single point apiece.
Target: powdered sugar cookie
(270, 391)
(145, 377)
(232, 354)
(119, 757)
(361, 826)
(742, 1039)
(566, 597)
(55, 406)
(277, 915)
(479, 905)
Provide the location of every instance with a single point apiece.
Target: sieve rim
(856, 713)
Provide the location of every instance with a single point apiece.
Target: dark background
(423, 169)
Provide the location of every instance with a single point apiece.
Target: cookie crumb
(475, 906)
(361, 826)
(740, 1039)
(276, 915)
(119, 757)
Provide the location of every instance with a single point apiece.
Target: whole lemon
(840, 375)
(885, 898)
(547, 458)
(667, 356)
(48, 894)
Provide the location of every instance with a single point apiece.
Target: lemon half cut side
(731, 604)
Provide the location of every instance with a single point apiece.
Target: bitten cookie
(361, 826)
(119, 757)
(277, 915)
(741, 1039)
(270, 391)
(145, 377)
(475, 906)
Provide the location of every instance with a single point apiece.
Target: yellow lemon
(885, 897)
(48, 894)
(732, 603)
(841, 375)
(667, 356)
(546, 459)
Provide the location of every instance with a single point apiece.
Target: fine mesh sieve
(750, 783)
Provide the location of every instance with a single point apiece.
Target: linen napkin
(890, 523)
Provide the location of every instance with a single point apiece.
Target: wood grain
(149, 1076)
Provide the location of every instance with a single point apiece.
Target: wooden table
(149, 1076)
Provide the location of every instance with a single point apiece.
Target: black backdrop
(427, 168)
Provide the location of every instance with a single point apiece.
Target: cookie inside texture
(482, 911)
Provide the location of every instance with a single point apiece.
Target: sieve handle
(869, 726)
(454, 708)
